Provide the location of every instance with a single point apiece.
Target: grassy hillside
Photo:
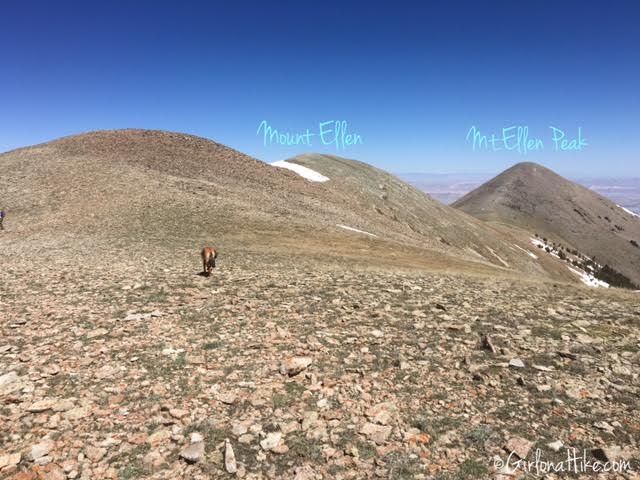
(128, 190)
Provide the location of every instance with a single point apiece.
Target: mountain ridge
(137, 186)
(533, 197)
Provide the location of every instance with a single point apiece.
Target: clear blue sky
(409, 77)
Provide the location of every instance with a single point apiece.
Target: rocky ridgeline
(308, 373)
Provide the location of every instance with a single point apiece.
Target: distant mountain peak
(533, 197)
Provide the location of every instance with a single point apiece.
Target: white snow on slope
(355, 230)
(304, 172)
(587, 276)
(541, 245)
(476, 253)
(538, 243)
(532, 255)
(589, 279)
(498, 257)
(628, 211)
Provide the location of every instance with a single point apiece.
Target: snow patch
(532, 255)
(498, 257)
(538, 243)
(475, 252)
(304, 172)
(589, 279)
(355, 230)
(579, 264)
(628, 211)
(543, 246)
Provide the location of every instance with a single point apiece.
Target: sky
(410, 78)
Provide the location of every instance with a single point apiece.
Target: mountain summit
(534, 198)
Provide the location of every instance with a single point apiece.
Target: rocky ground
(266, 370)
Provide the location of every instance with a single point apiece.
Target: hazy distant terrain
(448, 187)
(623, 191)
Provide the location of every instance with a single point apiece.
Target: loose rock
(293, 365)
(230, 458)
(193, 453)
(516, 362)
(376, 433)
(520, 446)
(271, 441)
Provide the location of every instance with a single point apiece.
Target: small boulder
(305, 472)
(229, 458)
(271, 441)
(193, 453)
(76, 413)
(10, 460)
(8, 378)
(40, 450)
(159, 436)
(376, 433)
(381, 413)
(227, 398)
(520, 446)
(42, 405)
(153, 459)
(238, 428)
(95, 454)
(309, 419)
(178, 413)
(294, 365)
(555, 446)
(516, 363)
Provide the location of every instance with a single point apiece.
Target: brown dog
(209, 255)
